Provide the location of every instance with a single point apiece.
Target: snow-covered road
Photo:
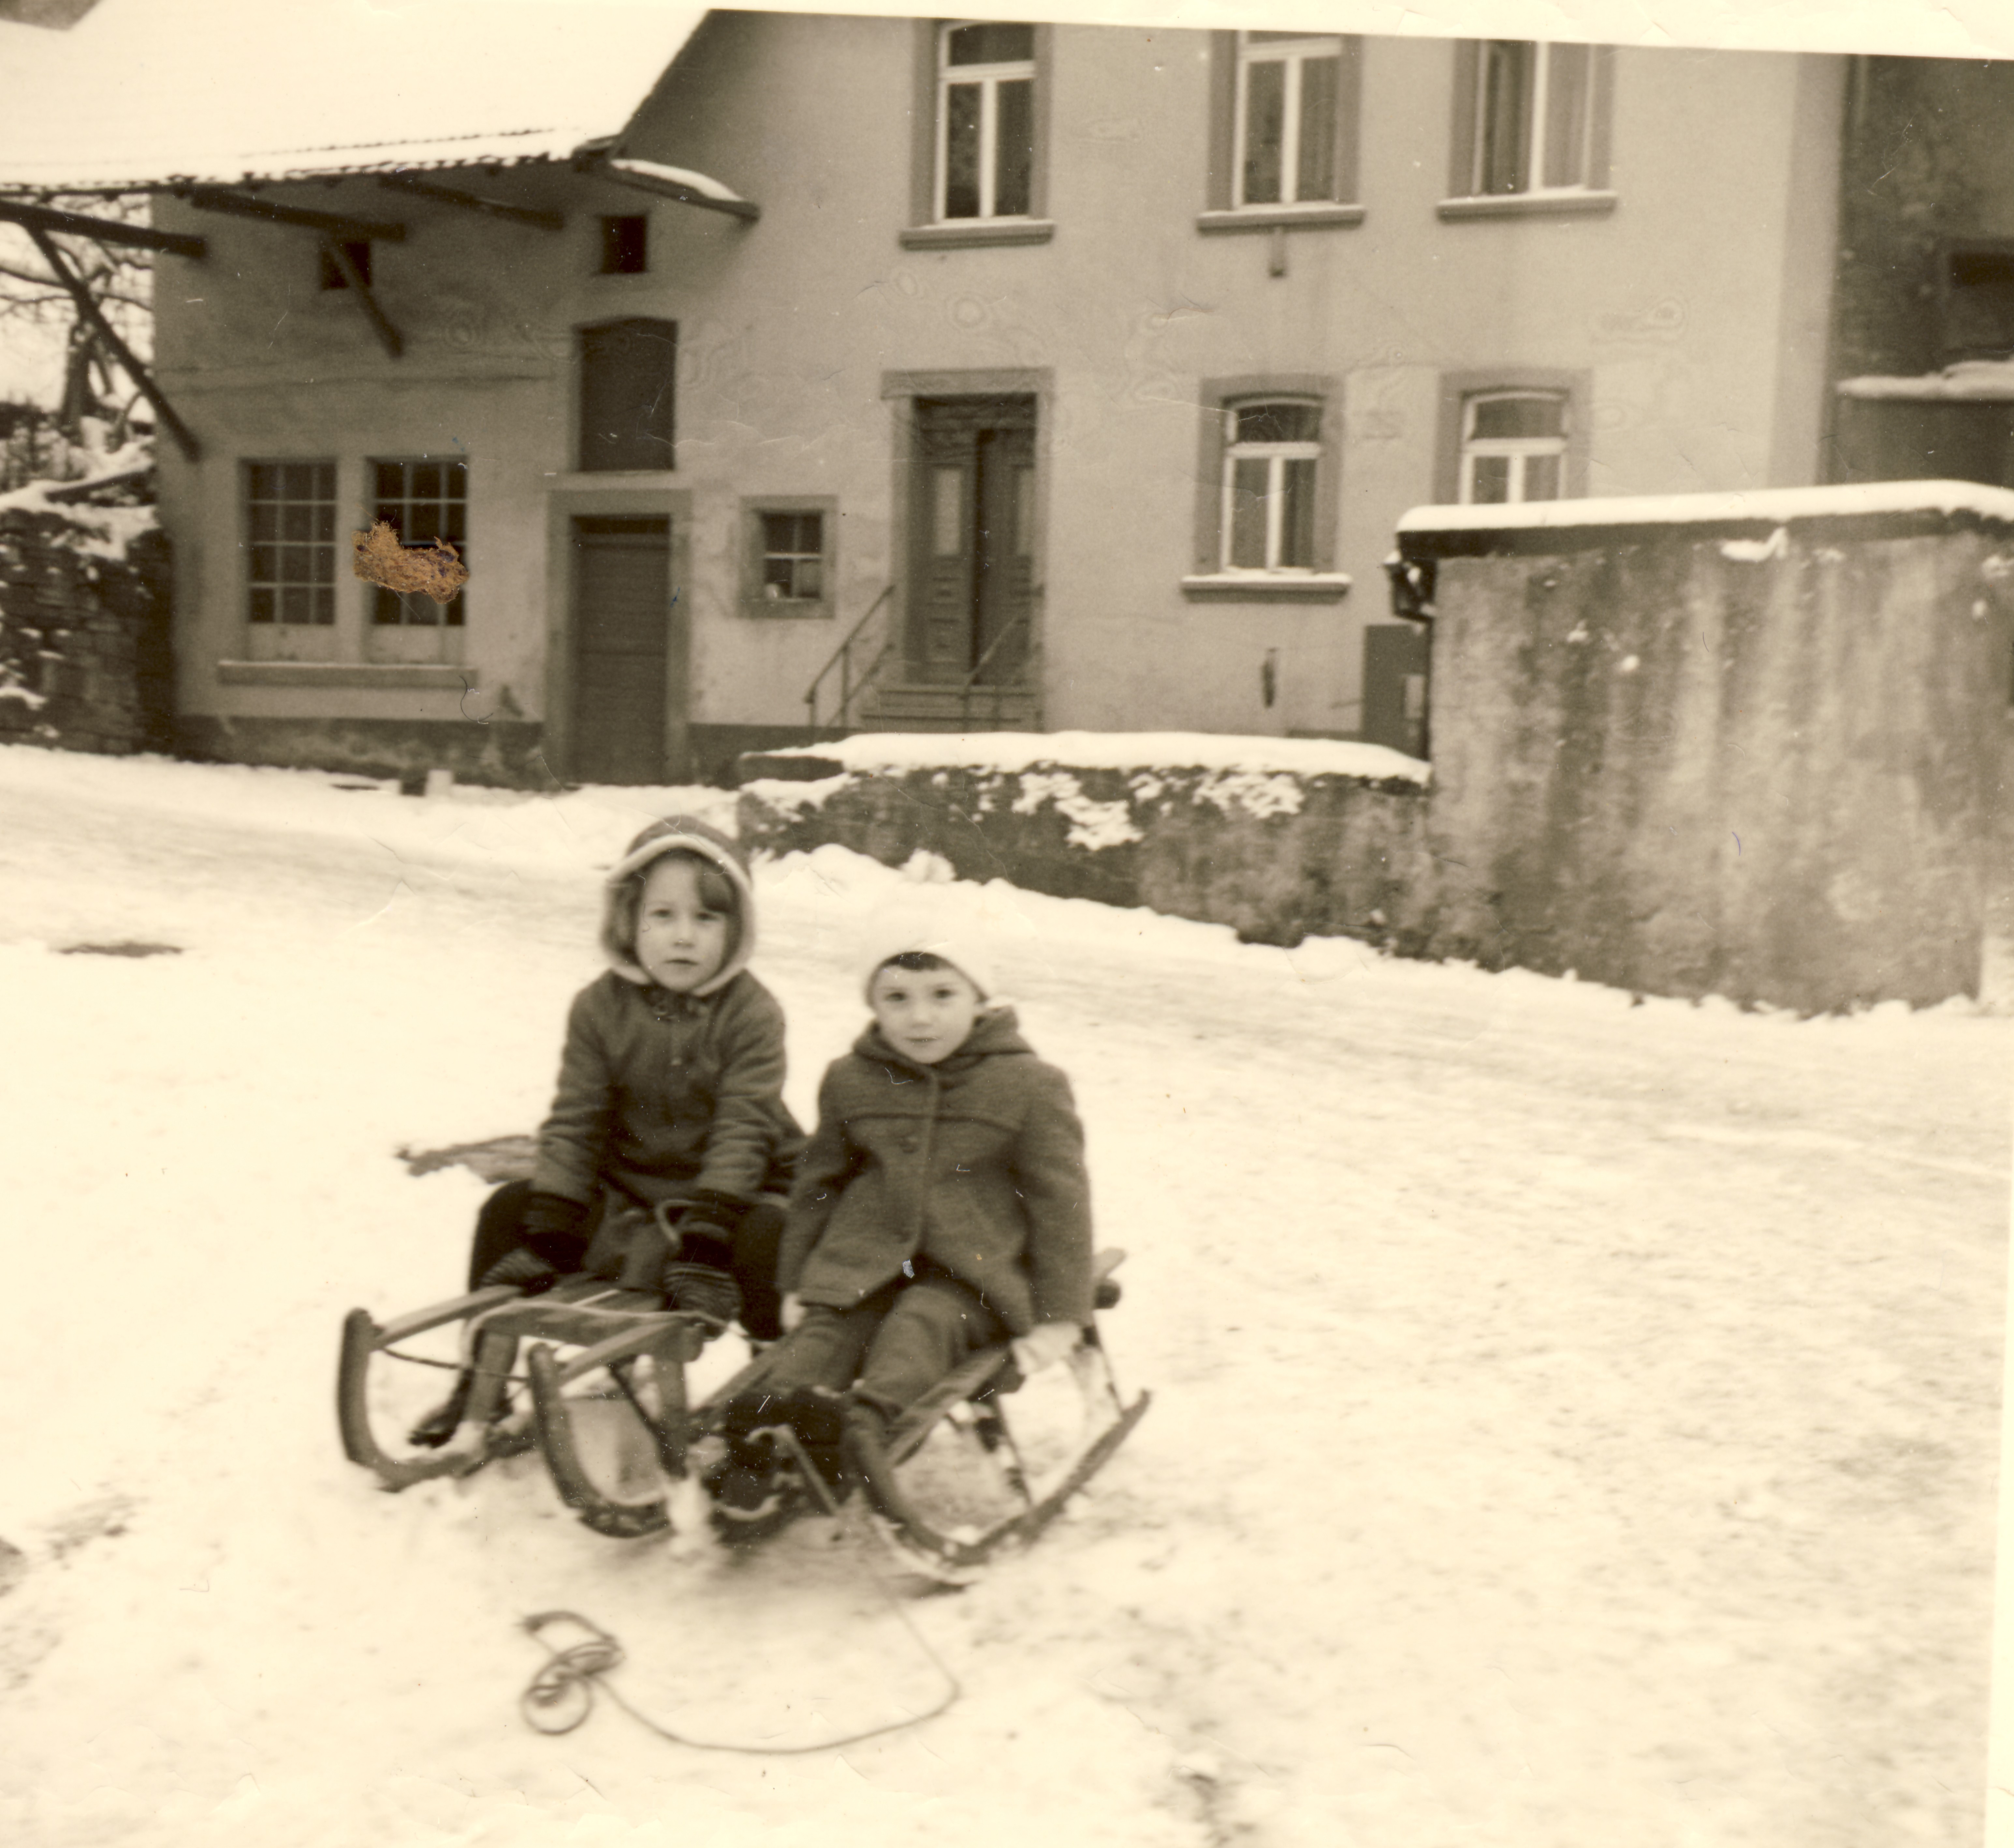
(1574, 1424)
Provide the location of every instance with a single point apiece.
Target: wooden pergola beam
(331, 225)
(389, 337)
(87, 306)
(106, 231)
(473, 202)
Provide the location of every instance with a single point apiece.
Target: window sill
(967, 234)
(1530, 205)
(1258, 218)
(345, 673)
(1266, 587)
(779, 610)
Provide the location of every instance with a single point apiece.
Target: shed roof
(142, 92)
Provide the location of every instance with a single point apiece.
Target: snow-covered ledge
(1279, 837)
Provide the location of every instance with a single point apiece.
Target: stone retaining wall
(85, 662)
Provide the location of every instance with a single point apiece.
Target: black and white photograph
(1093, 929)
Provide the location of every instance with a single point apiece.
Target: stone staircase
(908, 706)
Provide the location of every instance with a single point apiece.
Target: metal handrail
(842, 658)
(967, 686)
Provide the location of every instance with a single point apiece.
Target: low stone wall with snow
(1277, 851)
(84, 662)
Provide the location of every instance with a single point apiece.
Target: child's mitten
(1044, 1345)
(522, 1269)
(700, 1290)
(706, 1228)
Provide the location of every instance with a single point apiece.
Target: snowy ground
(1574, 1424)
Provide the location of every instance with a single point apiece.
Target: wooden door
(622, 653)
(973, 549)
(1395, 686)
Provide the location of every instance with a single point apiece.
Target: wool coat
(975, 1163)
(663, 1096)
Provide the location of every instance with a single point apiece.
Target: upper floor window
(628, 372)
(1513, 447)
(290, 529)
(1288, 103)
(1272, 451)
(625, 245)
(985, 121)
(1531, 128)
(421, 502)
(1532, 105)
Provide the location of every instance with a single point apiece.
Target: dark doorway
(973, 520)
(623, 653)
(1395, 686)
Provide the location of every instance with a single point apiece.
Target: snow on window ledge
(1528, 205)
(1256, 218)
(1266, 587)
(960, 234)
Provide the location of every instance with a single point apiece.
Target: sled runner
(948, 1488)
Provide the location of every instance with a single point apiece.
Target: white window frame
(989, 77)
(1519, 449)
(1294, 53)
(1275, 455)
(1536, 123)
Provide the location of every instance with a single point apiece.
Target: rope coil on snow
(560, 1697)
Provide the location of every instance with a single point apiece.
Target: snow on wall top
(1766, 503)
(142, 91)
(1012, 751)
(1978, 380)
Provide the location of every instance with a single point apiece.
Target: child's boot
(444, 1421)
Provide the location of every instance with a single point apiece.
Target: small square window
(790, 571)
(1513, 447)
(625, 245)
(358, 250)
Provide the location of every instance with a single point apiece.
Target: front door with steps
(973, 542)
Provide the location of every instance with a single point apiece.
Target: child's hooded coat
(975, 1163)
(663, 1096)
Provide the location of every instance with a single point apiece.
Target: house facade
(965, 375)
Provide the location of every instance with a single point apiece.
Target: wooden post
(87, 306)
(389, 336)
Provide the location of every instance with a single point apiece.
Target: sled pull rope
(561, 1694)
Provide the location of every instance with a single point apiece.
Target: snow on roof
(1766, 503)
(1989, 381)
(142, 91)
(1011, 751)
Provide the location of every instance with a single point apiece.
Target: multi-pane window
(420, 501)
(290, 523)
(1513, 447)
(793, 562)
(1272, 456)
(1534, 116)
(986, 121)
(1289, 89)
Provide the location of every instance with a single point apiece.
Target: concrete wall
(1687, 316)
(1767, 762)
(84, 637)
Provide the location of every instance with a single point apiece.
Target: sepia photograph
(1092, 928)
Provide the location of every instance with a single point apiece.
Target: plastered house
(841, 372)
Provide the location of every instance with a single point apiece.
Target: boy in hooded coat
(941, 1205)
(668, 1110)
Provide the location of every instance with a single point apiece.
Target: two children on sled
(941, 1204)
